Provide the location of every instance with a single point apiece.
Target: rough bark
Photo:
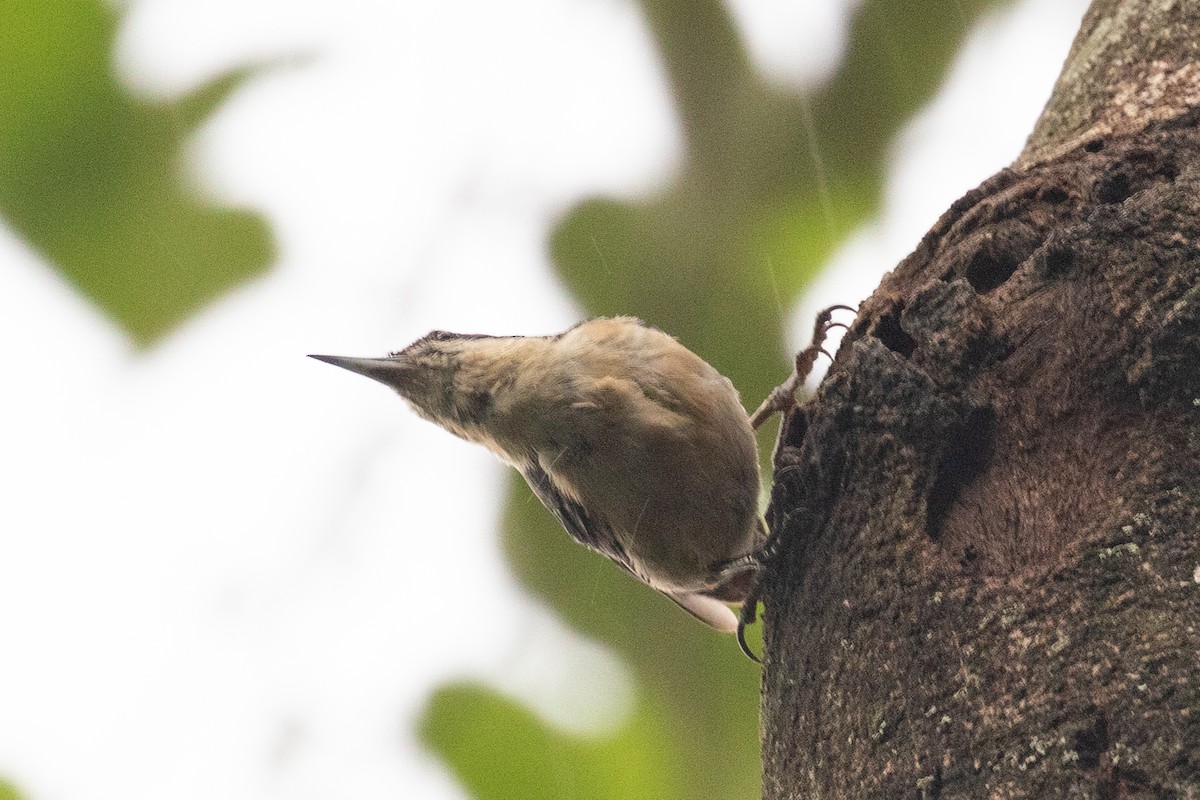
(991, 508)
(1133, 61)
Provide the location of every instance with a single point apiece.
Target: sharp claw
(746, 618)
(765, 558)
(783, 397)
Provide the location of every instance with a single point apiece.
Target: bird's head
(446, 377)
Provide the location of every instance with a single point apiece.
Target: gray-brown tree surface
(991, 581)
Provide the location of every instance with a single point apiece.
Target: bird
(640, 448)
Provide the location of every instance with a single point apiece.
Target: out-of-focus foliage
(90, 175)
(773, 182)
(503, 751)
(8, 791)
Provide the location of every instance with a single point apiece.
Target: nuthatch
(639, 447)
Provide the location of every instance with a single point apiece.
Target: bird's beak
(388, 371)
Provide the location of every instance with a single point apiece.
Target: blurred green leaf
(8, 791)
(773, 181)
(772, 184)
(701, 685)
(90, 175)
(500, 750)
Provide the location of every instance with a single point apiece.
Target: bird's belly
(684, 551)
(675, 533)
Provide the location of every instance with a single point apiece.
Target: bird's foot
(783, 397)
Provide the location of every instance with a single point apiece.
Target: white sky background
(218, 560)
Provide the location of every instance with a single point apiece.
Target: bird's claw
(781, 400)
(764, 565)
(783, 397)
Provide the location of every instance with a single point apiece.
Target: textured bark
(991, 508)
(1133, 61)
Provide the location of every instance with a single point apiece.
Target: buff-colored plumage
(640, 448)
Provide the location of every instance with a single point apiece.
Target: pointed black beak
(388, 371)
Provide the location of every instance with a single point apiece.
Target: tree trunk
(990, 586)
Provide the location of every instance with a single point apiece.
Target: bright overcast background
(221, 560)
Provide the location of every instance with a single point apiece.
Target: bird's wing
(584, 528)
(593, 532)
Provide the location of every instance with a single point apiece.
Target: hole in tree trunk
(888, 331)
(988, 269)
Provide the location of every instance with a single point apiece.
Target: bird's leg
(739, 580)
(783, 397)
(747, 616)
(763, 561)
(766, 561)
